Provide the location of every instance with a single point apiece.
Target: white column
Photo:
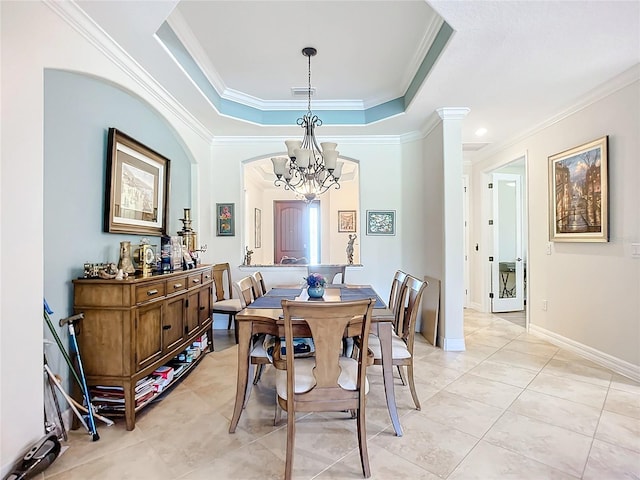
(452, 291)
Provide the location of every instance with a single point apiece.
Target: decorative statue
(247, 256)
(352, 238)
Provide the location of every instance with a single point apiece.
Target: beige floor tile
(557, 411)
(545, 350)
(83, 451)
(137, 461)
(619, 430)
(544, 433)
(384, 465)
(501, 372)
(581, 371)
(608, 461)
(454, 411)
(432, 446)
(483, 390)
(554, 446)
(569, 389)
(488, 461)
(519, 359)
(624, 403)
(625, 384)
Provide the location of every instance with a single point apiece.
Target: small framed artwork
(258, 227)
(578, 194)
(136, 189)
(381, 222)
(346, 220)
(226, 220)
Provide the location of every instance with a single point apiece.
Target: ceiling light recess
(308, 170)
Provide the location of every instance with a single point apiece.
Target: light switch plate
(635, 250)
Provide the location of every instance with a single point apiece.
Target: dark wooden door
(291, 230)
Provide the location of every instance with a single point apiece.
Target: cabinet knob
(166, 327)
(177, 285)
(196, 280)
(201, 308)
(152, 292)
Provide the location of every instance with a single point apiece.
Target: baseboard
(603, 359)
(451, 344)
(475, 306)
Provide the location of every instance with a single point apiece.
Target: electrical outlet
(548, 248)
(544, 305)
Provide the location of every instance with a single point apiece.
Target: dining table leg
(244, 341)
(384, 334)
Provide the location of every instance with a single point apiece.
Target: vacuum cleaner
(38, 458)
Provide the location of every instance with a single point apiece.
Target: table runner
(273, 298)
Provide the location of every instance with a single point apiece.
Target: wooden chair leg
(247, 393)
(403, 378)
(235, 329)
(258, 375)
(278, 414)
(412, 386)
(231, 317)
(362, 443)
(291, 431)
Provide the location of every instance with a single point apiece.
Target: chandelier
(308, 171)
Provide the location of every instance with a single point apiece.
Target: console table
(133, 326)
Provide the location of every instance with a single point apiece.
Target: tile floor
(510, 407)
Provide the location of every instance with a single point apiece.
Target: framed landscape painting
(136, 188)
(225, 220)
(381, 222)
(578, 194)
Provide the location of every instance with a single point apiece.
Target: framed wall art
(347, 221)
(226, 220)
(136, 189)
(381, 222)
(578, 194)
(258, 227)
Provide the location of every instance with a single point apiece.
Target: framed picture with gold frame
(346, 221)
(136, 189)
(578, 193)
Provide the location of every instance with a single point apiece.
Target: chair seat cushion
(398, 347)
(232, 305)
(305, 381)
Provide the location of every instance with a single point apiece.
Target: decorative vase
(125, 262)
(315, 292)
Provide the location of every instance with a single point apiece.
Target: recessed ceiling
(406, 38)
(515, 64)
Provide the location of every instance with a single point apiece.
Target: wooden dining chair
(399, 279)
(330, 272)
(326, 381)
(259, 287)
(402, 340)
(224, 302)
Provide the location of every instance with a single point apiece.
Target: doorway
(296, 231)
(508, 261)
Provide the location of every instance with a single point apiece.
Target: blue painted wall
(78, 113)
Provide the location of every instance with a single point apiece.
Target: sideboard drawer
(194, 280)
(149, 291)
(178, 284)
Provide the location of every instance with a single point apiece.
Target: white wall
(592, 289)
(34, 38)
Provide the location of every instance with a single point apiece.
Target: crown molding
(96, 36)
(219, 141)
(618, 82)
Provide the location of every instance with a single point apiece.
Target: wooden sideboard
(133, 326)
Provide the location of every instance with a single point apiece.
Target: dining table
(265, 315)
